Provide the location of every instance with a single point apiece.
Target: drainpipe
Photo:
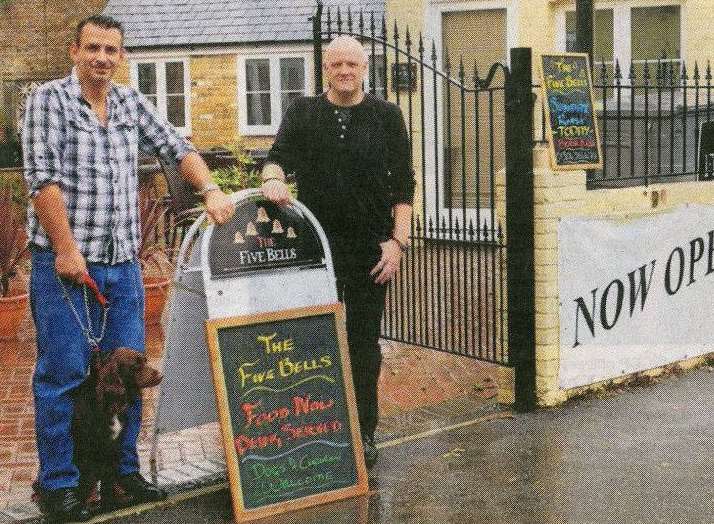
(584, 27)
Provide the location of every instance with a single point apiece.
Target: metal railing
(650, 118)
(450, 292)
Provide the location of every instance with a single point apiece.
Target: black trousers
(364, 305)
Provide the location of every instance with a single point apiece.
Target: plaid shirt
(94, 166)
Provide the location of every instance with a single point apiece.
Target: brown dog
(100, 403)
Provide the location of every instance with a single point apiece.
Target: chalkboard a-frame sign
(569, 109)
(287, 410)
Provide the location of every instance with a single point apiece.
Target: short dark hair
(105, 22)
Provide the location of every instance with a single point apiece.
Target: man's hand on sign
(70, 264)
(219, 206)
(388, 265)
(276, 190)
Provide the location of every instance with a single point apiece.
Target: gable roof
(167, 23)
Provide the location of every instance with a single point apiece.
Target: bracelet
(273, 178)
(402, 246)
(211, 186)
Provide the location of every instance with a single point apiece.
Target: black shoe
(370, 450)
(64, 505)
(139, 490)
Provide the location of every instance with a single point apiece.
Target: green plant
(242, 175)
(231, 179)
(13, 239)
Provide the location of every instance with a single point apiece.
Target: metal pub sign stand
(256, 340)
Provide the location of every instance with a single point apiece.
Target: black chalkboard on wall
(287, 410)
(570, 118)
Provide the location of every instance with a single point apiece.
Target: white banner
(634, 294)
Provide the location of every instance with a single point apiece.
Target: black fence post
(317, 47)
(520, 227)
(584, 27)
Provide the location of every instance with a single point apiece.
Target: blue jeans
(63, 356)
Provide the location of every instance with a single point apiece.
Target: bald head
(345, 66)
(344, 43)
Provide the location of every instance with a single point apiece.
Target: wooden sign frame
(551, 146)
(360, 488)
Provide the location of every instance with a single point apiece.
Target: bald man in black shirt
(350, 154)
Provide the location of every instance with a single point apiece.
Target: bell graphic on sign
(238, 238)
(262, 215)
(277, 227)
(291, 233)
(250, 230)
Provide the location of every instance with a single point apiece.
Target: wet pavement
(417, 390)
(447, 452)
(642, 456)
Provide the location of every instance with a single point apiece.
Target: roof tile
(160, 23)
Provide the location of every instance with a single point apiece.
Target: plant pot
(12, 313)
(156, 290)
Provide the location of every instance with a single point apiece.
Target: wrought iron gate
(451, 291)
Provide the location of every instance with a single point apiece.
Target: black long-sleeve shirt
(351, 165)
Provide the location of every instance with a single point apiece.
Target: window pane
(570, 31)
(287, 98)
(655, 34)
(257, 75)
(176, 110)
(152, 99)
(258, 109)
(292, 74)
(147, 79)
(174, 77)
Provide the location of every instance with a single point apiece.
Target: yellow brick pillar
(554, 194)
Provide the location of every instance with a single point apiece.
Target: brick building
(34, 39)
(223, 71)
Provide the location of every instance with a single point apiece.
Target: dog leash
(88, 330)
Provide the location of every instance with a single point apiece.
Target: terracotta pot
(156, 290)
(12, 313)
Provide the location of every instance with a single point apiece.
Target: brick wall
(214, 102)
(214, 111)
(122, 73)
(35, 36)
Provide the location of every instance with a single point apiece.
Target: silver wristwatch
(211, 186)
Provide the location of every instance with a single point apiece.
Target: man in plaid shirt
(81, 138)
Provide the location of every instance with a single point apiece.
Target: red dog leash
(91, 284)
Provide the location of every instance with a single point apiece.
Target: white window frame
(161, 106)
(622, 28)
(275, 99)
(433, 15)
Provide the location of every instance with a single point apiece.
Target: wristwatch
(211, 186)
(402, 246)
